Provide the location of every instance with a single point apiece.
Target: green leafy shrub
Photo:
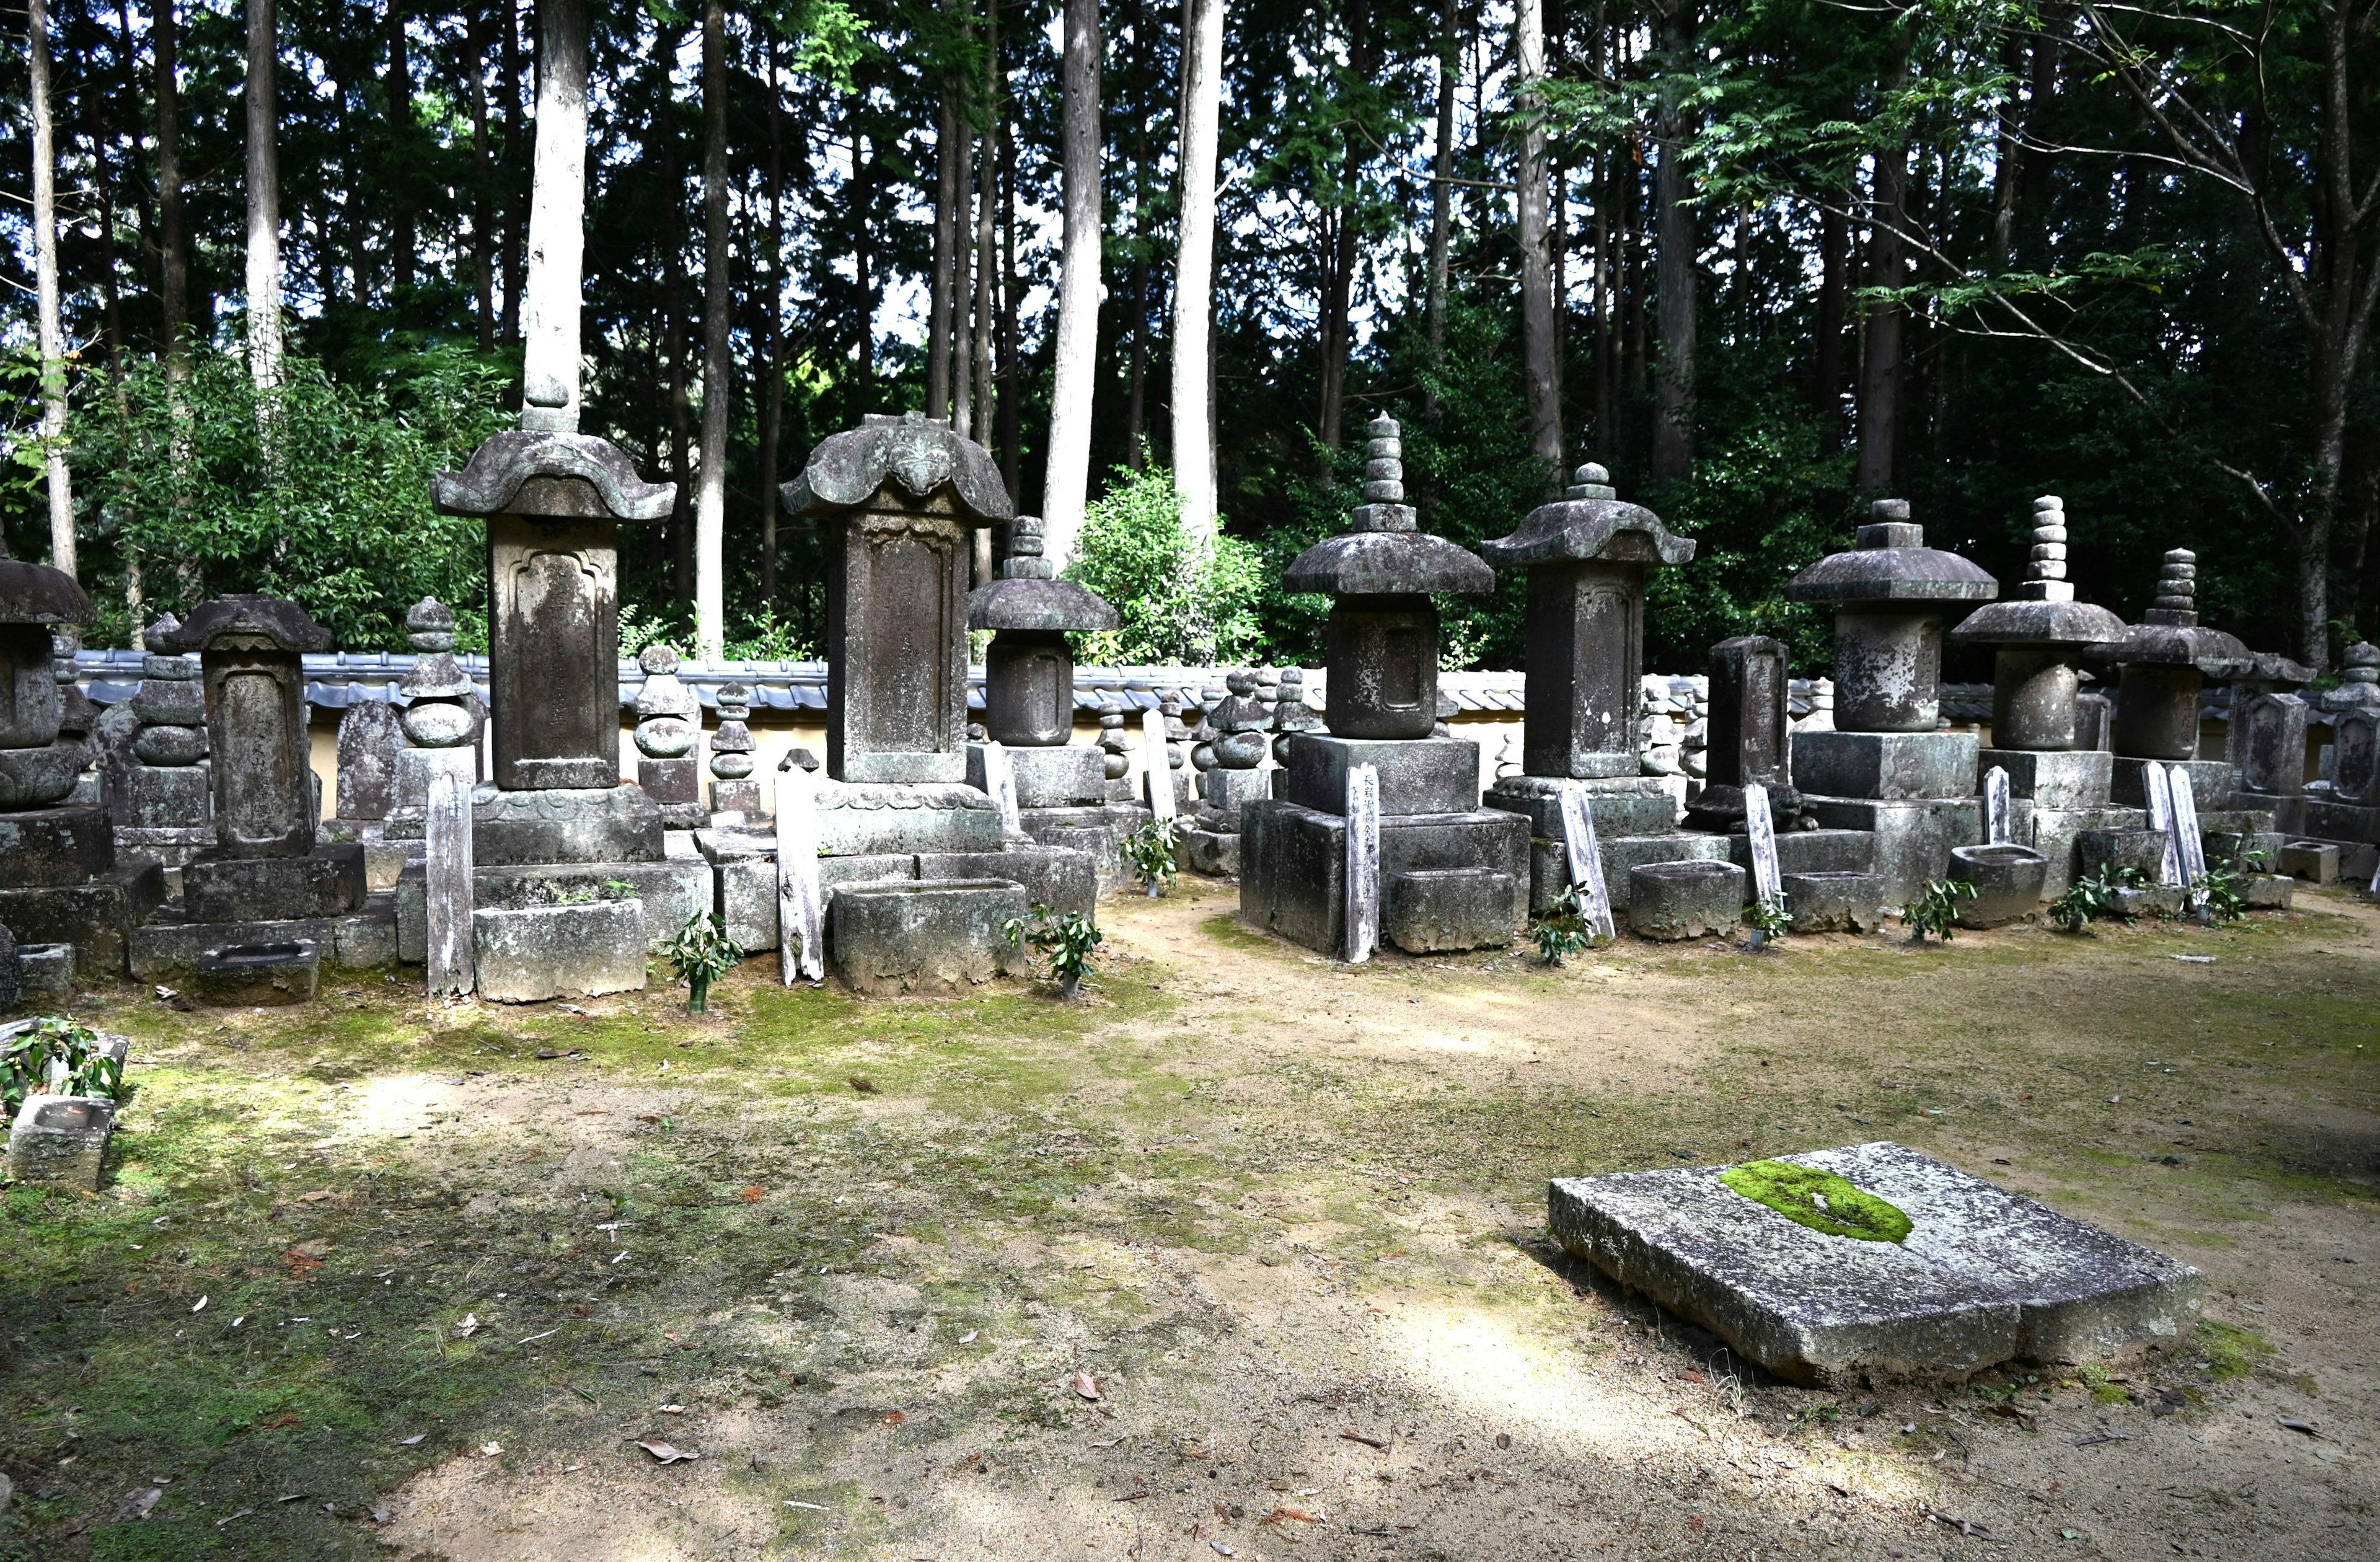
(28, 1058)
(1151, 853)
(1063, 939)
(1182, 601)
(1819, 1200)
(1562, 930)
(2218, 891)
(1936, 910)
(1770, 918)
(2093, 899)
(699, 955)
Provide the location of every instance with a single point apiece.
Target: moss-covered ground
(378, 1278)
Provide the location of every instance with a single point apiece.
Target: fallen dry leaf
(755, 1193)
(317, 1196)
(468, 1327)
(664, 1453)
(863, 1085)
(1692, 1376)
(896, 1418)
(1278, 1514)
(287, 1418)
(490, 1450)
(1087, 1385)
(302, 1266)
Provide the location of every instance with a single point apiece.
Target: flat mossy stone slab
(1984, 1275)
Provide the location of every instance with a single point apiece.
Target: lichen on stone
(1819, 1200)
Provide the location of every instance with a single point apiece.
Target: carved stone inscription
(555, 669)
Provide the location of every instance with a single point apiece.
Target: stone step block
(1914, 835)
(1429, 911)
(2007, 881)
(2142, 851)
(2212, 782)
(45, 975)
(888, 938)
(1631, 805)
(259, 975)
(1417, 775)
(1828, 901)
(98, 917)
(1294, 862)
(2268, 892)
(1072, 777)
(62, 1139)
(671, 891)
(1213, 853)
(2315, 862)
(327, 881)
(2068, 778)
(1673, 901)
(1811, 851)
(1886, 765)
(54, 846)
(365, 940)
(530, 954)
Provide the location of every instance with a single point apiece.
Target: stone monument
(1453, 875)
(442, 718)
(2342, 807)
(1239, 723)
(669, 729)
(1885, 767)
(2058, 786)
(1028, 675)
(735, 796)
(60, 881)
(2163, 665)
(156, 777)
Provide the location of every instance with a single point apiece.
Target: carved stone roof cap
(490, 482)
(1388, 563)
(286, 624)
(39, 593)
(1583, 528)
(2212, 652)
(2041, 623)
(922, 454)
(2273, 667)
(1890, 562)
(1038, 604)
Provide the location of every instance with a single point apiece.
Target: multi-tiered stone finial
(732, 790)
(2044, 575)
(669, 724)
(2041, 634)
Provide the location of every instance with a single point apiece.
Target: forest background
(1766, 260)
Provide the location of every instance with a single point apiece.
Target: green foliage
(334, 515)
(700, 954)
(751, 637)
(2093, 899)
(1936, 910)
(1065, 939)
(1182, 601)
(1819, 1200)
(28, 1058)
(2218, 890)
(1769, 917)
(1562, 928)
(1151, 852)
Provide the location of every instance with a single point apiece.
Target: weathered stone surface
(1215, 853)
(2268, 892)
(370, 737)
(861, 819)
(2056, 835)
(61, 1140)
(1670, 901)
(2315, 862)
(2212, 782)
(1047, 777)
(2073, 778)
(1983, 1276)
(44, 974)
(2268, 741)
(1749, 735)
(1885, 764)
(668, 781)
(889, 938)
(1058, 877)
(1431, 910)
(1227, 791)
(1549, 860)
(2040, 636)
(1419, 775)
(2325, 818)
(1098, 832)
(671, 891)
(1890, 594)
(40, 595)
(1812, 852)
(97, 917)
(167, 945)
(610, 824)
(161, 797)
(11, 979)
(327, 881)
(553, 654)
(52, 845)
(532, 953)
(557, 475)
(1828, 901)
(2143, 852)
(1913, 837)
(2007, 881)
(264, 791)
(262, 975)
(1631, 805)
(1293, 861)
(36, 777)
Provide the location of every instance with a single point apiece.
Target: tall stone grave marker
(1362, 863)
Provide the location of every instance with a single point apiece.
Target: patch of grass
(2231, 1351)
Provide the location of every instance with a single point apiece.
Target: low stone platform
(1983, 1276)
(325, 881)
(1294, 876)
(744, 864)
(364, 940)
(1549, 860)
(258, 975)
(1834, 902)
(2211, 782)
(530, 954)
(891, 937)
(98, 918)
(1096, 831)
(671, 891)
(1671, 901)
(1914, 835)
(1215, 853)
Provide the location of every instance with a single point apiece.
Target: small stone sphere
(170, 745)
(436, 723)
(1115, 765)
(1202, 757)
(665, 738)
(658, 660)
(731, 766)
(1240, 751)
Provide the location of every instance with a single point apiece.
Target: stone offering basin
(235, 975)
(2007, 881)
(62, 1139)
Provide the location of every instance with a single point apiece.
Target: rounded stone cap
(657, 659)
(38, 593)
(1569, 530)
(1389, 563)
(2212, 652)
(920, 455)
(286, 624)
(595, 480)
(1891, 563)
(1049, 605)
(2041, 623)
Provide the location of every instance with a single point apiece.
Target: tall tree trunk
(1541, 371)
(264, 206)
(1606, 299)
(1194, 269)
(173, 254)
(1012, 372)
(514, 205)
(681, 434)
(1880, 367)
(863, 256)
(1827, 352)
(1135, 390)
(400, 151)
(772, 305)
(483, 241)
(1338, 250)
(987, 296)
(1066, 485)
(946, 202)
(51, 331)
(961, 307)
(557, 221)
(711, 499)
(1676, 241)
(1442, 190)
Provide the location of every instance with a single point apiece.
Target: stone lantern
(36, 768)
(1453, 875)
(2163, 665)
(1029, 674)
(1887, 768)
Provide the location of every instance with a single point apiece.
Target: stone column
(1750, 734)
(250, 661)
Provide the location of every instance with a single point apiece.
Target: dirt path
(1286, 1217)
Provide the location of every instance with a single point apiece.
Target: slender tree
(1880, 365)
(263, 210)
(1066, 487)
(1194, 272)
(772, 287)
(402, 226)
(51, 331)
(1441, 186)
(173, 249)
(557, 222)
(710, 500)
(1676, 241)
(1540, 366)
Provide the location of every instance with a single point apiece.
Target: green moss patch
(2231, 1351)
(1818, 1200)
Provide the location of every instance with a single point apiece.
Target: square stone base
(856, 820)
(1225, 793)
(63, 845)
(2322, 817)
(670, 892)
(44, 974)
(1098, 832)
(2212, 782)
(1831, 902)
(1417, 775)
(258, 975)
(889, 937)
(1214, 853)
(530, 954)
(1983, 1276)
(2315, 862)
(1914, 835)
(414, 769)
(568, 825)
(1886, 767)
(1293, 871)
(1623, 805)
(326, 881)
(364, 940)
(2074, 778)
(1431, 910)
(2057, 833)
(172, 847)
(161, 797)
(1811, 851)
(97, 917)
(677, 779)
(1070, 777)
(1549, 861)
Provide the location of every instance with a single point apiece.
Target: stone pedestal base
(2320, 815)
(1225, 792)
(97, 916)
(530, 954)
(2069, 779)
(677, 779)
(868, 819)
(741, 798)
(1060, 778)
(884, 939)
(414, 769)
(1671, 901)
(364, 940)
(2007, 881)
(1417, 775)
(1549, 861)
(45, 975)
(2116, 850)
(573, 824)
(1811, 851)
(1829, 902)
(1448, 910)
(2057, 833)
(2315, 862)
(670, 891)
(326, 881)
(1214, 853)
(1625, 805)
(258, 975)
(2211, 782)
(161, 797)
(1914, 835)
(1096, 831)
(173, 849)
(46, 846)
(1886, 767)
(1293, 866)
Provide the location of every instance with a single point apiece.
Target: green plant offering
(1562, 930)
(28, 1058)
(2093, 899)
(2219, 889)
(1770, 918)
(699, 955)
(1150, 853)
(1065, 940)
(1818, 1200)
(1936, 910)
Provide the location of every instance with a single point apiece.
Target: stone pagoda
(1453, 875)
(917, 862)
(2058, 783)
(2343, 805)
(1239, 725)
(153, 759)
(1586, 555)
(266, 883)
(1888, 768)
(1028, 676)
(2163, 666)
(60, 881)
